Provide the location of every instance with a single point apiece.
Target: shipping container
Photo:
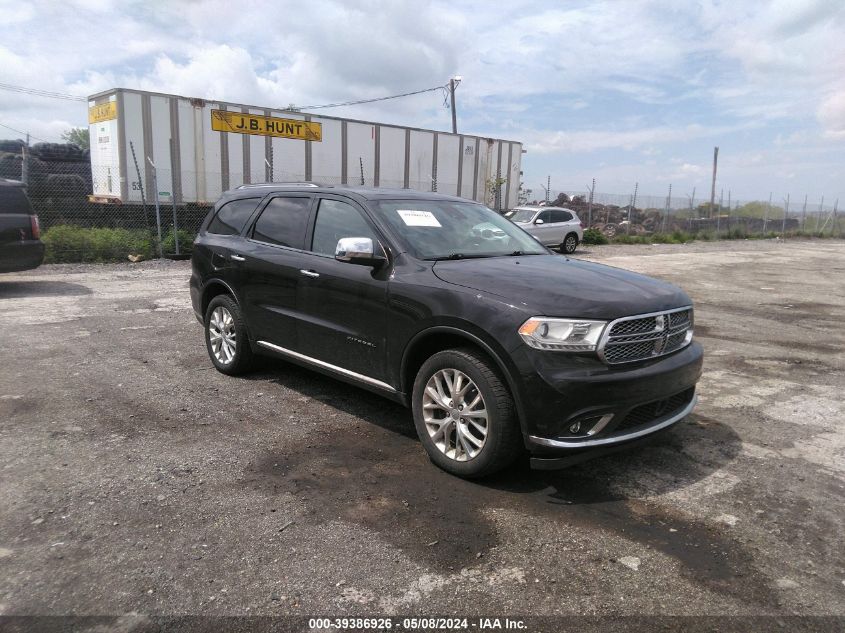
(199, 148)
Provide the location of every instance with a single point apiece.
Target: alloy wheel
(455, 415)
(222, 335)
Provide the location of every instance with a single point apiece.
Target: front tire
(226, 337)
(464, 414)
(569, 244)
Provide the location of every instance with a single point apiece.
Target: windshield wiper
(459, 256)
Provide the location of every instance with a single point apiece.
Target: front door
(343, 305)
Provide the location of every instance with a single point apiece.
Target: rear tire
(569, 244)
(226, 337)
(464, 414)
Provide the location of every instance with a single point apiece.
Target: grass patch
(66, 244)
(594, 236)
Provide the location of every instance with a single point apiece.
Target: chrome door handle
(309, 273)
(238, 258)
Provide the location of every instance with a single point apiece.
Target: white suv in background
(551, 226)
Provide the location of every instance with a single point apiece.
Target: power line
(8, 127)
(41, 93)
(346, 103)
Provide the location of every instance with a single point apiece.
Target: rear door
(561, 225)
(269, 265)
(343, 305)
(222, 239)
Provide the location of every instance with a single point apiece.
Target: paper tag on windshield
(418, 218)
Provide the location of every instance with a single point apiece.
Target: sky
(625, 92)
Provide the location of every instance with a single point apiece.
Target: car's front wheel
(226, 336)
(464, 414)
(570, 243)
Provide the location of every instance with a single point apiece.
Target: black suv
(21, 247)
(496, 343)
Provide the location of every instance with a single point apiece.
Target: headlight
(565, 335)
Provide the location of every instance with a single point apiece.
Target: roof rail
(278, 184)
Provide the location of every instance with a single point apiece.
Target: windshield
(522, 215)
(441, 229)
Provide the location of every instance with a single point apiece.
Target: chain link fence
(618, 216)
(164, 216)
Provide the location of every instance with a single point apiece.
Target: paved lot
(135, 478)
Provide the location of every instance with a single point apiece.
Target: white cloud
(831, 115)
(584, 76)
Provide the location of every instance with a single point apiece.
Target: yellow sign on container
(240, 123)
(102, 112)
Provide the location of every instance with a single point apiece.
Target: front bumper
(572, 403)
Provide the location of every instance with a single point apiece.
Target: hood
(552, 285)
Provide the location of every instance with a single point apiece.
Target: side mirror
(358, 250)
(538, 222)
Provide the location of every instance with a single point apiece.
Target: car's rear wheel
(569, 244)
(464, 414)
(226, 336)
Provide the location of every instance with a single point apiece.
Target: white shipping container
(200, 148)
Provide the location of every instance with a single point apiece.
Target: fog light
(575, 427)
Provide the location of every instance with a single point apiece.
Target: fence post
(590, 205)
(766, 216)
(140, 185)
(785, 215)
(158, 210)
(173, 196)
(666, 211)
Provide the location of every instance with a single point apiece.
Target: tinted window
(14, 200)
(545, 216)
(283, 222)
(561, 216)
(232, 217)
(336, 220)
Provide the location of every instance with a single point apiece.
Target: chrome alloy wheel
(222, 336)
(570, 244)
(455, 415)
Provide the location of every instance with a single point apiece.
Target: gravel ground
(136, 479)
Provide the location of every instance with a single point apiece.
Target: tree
(77, 136)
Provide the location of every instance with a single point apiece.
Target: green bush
(594, 236)
(71, 244)
(186, 242)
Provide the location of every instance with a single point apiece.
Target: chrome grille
(642, 337)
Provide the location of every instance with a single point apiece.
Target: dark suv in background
(439, 303)
(21, 247)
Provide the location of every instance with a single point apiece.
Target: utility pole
(713, 184)
(453, 83)
(548, 187)
(590, 205)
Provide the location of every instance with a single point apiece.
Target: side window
(231, 217)
(283, 222)
(335, 220)
(545, 216)
(561, 216)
